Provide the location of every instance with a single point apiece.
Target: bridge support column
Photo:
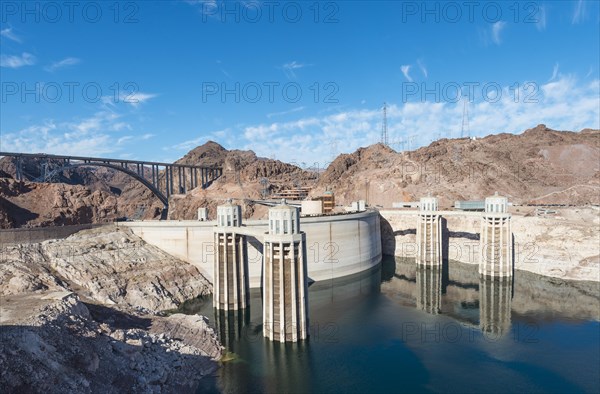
(496, 254)
(285, 280)
(429, 233)
(231, 264)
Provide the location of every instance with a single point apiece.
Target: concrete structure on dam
(496, 257)
(429, 233)
(285, 282)
(230, 285)
(336, 245)
(491, 248)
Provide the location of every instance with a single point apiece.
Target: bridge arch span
(127, 171)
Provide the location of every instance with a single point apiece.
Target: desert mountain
(539, 166)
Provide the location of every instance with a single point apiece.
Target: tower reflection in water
(429, 289)
(230, 325)
(495, 299)
(455, 294)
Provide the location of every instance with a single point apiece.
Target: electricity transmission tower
(384, 128)
(464, 129)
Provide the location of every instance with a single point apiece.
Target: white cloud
(497, 28)
(8, 33)
(579, 12)
(15, 61)
(405, 71)
(92, 136)
(69, 61)
(563, 104)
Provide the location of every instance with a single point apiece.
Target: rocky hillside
(93, 195)
(538, 166)
(83, 314)
(25, 204)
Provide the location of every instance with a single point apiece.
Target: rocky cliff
(83, 314)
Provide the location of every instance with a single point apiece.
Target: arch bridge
(163, 179)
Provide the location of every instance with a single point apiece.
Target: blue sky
(297, 81)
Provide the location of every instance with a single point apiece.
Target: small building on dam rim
(336, 245)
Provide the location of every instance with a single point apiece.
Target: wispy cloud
(135, 99)
(191, 144)
(289, 68)
(422, 67)
(69, 61)
(291, 111)
(139, 98)
(8, 33)
(497, 29)
(405, 71)
(541, 18)
(554, 73)
(15, 61)
(591, 69)
(579, 12)
(124, 139)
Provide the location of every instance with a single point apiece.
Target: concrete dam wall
(336, 245)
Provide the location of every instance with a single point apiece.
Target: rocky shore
(85, 314)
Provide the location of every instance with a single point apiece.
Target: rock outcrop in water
(84, 315)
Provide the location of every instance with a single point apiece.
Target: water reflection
(429, 289)
(458, 292)
(287, 374)
(495, 297)
(362, 335)
(230, 325)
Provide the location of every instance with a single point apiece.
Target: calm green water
(399, 329)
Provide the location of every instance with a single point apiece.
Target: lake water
(402, 329)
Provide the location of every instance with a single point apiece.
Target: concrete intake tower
(231, 262)
(285, 279)
(496, 254)
(429, 233)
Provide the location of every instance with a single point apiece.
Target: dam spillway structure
(231, 266)
(285, 279)
(496, 254)
(429, 233)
